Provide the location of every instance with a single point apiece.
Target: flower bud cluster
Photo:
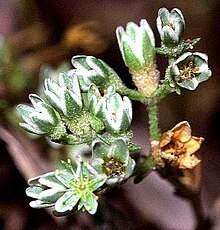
(70, 116)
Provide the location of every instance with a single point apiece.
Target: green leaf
(134, 147)
(147, 48)
(43, 108)
(25, 111)
(43, 125)
(95, 64)
(72, 104)
(99, 149)
(68, 166)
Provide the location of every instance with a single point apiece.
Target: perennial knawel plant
(90, 104)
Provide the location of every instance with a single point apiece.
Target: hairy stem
(132, 94)
(153, 121)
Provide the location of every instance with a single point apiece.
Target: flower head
(178, 146)
(136, 44)
(67, 189)
(190, 69)
(113, 160)
(113, 110)
(171, 26)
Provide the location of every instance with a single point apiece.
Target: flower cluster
(77, 188)
(89, 104)
(68, 117)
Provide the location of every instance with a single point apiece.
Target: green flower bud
(190, 69)
(41, 118)
(67, 189)
(171, 26)
(92, 70)
(113, 160)
(114, 111)
(65, 97)
(136, 44)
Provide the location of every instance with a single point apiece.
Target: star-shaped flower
(113, 160)
(67, 189)
(190, 69)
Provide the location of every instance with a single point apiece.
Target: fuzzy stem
(148, 165)
(132, 94)
(153, 121)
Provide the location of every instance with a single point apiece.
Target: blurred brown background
(51, 31)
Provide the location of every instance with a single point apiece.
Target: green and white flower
(171, 26)
(65, 97)
(113, 160)
(190, 69)
(41, 119)
(114, 111)
(68, 189)
(136, 44)
(92, 70)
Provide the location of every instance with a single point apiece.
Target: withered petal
(166, 138)
(188, 162)
(182, 131)
(193, 144)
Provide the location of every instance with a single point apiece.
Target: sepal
(65, 97)
(41, 118)
(114, 111)
(136, 44)
(91, 70)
